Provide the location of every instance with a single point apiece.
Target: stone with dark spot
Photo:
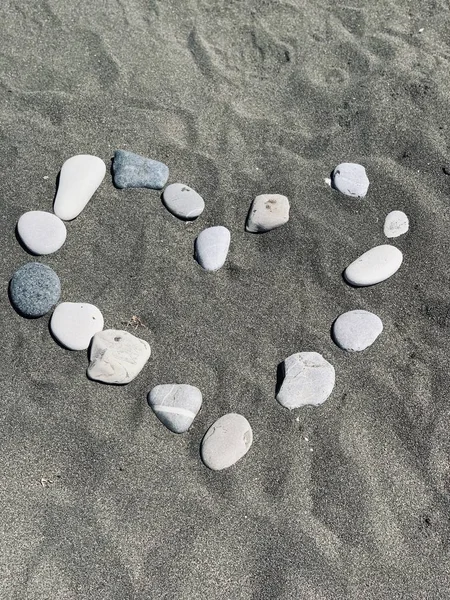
(183, 202)
(135, 171)
(268, 211)
(351, 179)
(34, 289)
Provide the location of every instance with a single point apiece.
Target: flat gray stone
(211, 247)
(268, 211)
(41, 232)
(351, 179)
(176, 405)
(356, 330)
(135, 171)
(226, 442)
(374, 266)
(34, 289)
(396, 223)
(183, 202)
(74, 324)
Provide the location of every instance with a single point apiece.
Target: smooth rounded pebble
(176, 405)
(226, 441)
(135, 171)
(356, 330)
(79, 179)
(351, 179)
(268, 211)
(41, 232)
(308, 379)
(183, 202)
(396, 223)
(117, 356)
(74, 324)
(374, 266)
(211, 247)
(34, 289)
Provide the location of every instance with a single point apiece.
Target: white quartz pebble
(41, 232)
(396, 223)
(356, 330)
(74, 324)
(374, 266)
(176, 405)
(351, 179)
(211, 247)
(183, 201)
(226, 441)
(268, 211)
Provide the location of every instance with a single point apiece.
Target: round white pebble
(183, 202)
(351, 179)
(374, 266)
(226, 441)
(396, 223)
(41, 232)
(356, 330)
(74, 324)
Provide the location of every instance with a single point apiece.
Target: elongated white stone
(183, 201)
(74, 324)
(374, 266)
(211, 247)
(226, 441)
(176, 405)
(79, 178)
(356, 330)
(268, 211)
(351, 179)
(396, 223)
(41, 232)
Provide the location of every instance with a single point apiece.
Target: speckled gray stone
(176, 405)
(183, 202)
(351, 179)
(356, 330)
(34, 289)
(226, 441)
(268, 211)
(136, 171)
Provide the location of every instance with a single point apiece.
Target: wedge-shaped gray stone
(74, 324)
(211, 247)
(374, 266)
(308, 379)
(136, 171)
(176, 405)
(34, 289)
(268, 211)
(226, 441)
(396, 223)
(117, 356)
(356, 330)
(41, 232)
(183, 201)
(351, 179)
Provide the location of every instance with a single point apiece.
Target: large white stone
(226, 441)
(41, 232)
(396, 223)
(79, 178)
(176, 405)
(211, 247)
(183, 201)
(351, 179)
(74, 324)
(267, 212)
(374, 266)
(356, 330)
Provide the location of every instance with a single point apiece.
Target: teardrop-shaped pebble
(135, 171)
(211, 247)
(79, 179)
(356, 330)
(34, 289)
(396, 223)
(176, 405)
(226, 441)
(117, 356)
(41, 232)
(183, 202)
(374, 266)
(268, 211)
(308, 379)
(351, 179)
(74, 324)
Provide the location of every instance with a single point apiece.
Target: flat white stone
(356, 330)
(351, 179)
(374, 266)
(176, 405)
(211, 247)
(183, 201)
(41, 232)
(74, 324)
(308, 379)
(79, 178)
(268, 211)
(396, 223)
(117, 356)
(226, 441)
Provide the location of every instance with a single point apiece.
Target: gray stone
(183, 201)
(34, 289)
(41, 232)
(356, 330)
(268, 211)
(351, 179)
(374, 266)
(226, 442)
(74, 324)
(396, 223)
(136, 171)
(211, 247)
(175, 405)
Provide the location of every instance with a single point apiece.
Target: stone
(351, 179)
(176, 405)
(117, 356)
(268, 211)
(308, 379)
(211, 247)
(135, 171)
(396, 223)
(41, 232)
(183, 202)
(356, 330)
(79, 179)
(34, 289)
(74, 324)
(226, 441)
(374, 266)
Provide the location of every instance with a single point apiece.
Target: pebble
(136, 171)
(268, 211)
(351, 179)
(308, 379)
(176, 405)
(74, 324)
(183, 201)
(117, 356)
(374, 266)
(41, 232)
(356, 330)
(34, 289)
(226, 441)
(211, 247)
(79, 179)
(396, 223)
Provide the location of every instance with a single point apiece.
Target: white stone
(268, 211)
(79, 178)
(226, 441)
(176, 405)
(117, 356)
(41, 232)
(211, 247)
(183, 201)
(351, 179)
(396, 223)
(356, 330)
(74, 324)
(308, 379)
(374, 266)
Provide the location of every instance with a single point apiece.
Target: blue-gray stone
(135, 171)
(34, 289)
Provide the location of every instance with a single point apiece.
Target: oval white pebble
(182, 201)
(211, 247)
(226, 441)
(41, 232)
(396, 223)
(74, 324)
(356, 330)
(374, 266)
(351, 179)
(176, 405)
(268, 211)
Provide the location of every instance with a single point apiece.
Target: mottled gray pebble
(211, 247)
(183, 201)
(395, 224)
(356, 330)
(351, 179)
(268, 211)
(34, 289)
(136, 171)
(176, 405)
(226, 441)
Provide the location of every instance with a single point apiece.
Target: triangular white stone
(175, 405)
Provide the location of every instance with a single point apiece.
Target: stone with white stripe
(176, 405)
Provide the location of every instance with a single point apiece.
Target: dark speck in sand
(446, 170)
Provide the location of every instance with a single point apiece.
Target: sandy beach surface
(350, 500)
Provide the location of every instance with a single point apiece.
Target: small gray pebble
(351, 179)
(183, 201)
(136, 171)
(226, 441)
(176, 405)
(356, 330)
(211, 247)
(34, 289)
(268, 211)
